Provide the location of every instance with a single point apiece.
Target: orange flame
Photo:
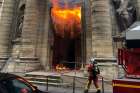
(66, 20)
(60, 67)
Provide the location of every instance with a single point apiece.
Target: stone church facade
(26, 37)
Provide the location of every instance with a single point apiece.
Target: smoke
(65, 3)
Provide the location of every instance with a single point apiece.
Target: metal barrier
(74, 87)
(75, 80)
(102, 85)
(74, 77)
(83, 83)
(47, 83)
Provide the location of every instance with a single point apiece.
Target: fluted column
(30, 27)
(102, 29)
(6, 26)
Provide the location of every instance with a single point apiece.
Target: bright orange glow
(60, 67)
(66, 13)
(66, 21)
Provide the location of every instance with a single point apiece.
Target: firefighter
(94, 72)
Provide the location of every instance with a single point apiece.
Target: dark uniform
(93, 71)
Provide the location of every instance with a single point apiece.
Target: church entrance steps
(2, 61)
(63, 79)
(44, 78)
(22, 65)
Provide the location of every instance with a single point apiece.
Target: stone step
(28, 64)
(22, 65)
(29, 61)
(53, 80)
(27, 67)
(43, 79)
(28, 58)
(54, 76)
(50, 83)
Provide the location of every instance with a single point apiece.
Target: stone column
(30, 27)
(102, 29)
(47, 36)
(87, 28)
(43, 44)
(7, 11)
(138, 9)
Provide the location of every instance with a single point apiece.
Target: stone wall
(6, 20)
(109, 70)
(30, 28)
(35, 31)
(36, 36)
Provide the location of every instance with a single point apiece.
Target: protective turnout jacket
(93, 70)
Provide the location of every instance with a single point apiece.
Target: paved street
(80, 83)
(67, 90)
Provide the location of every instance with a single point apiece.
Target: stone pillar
(46, 47)
(43, 50)
(102, 29)
(30, 28)
(87, 28)
(138, 9)
(7, 11)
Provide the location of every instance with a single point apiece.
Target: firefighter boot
(86, 91)
(98, 91)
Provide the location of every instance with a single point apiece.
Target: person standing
(94, 72)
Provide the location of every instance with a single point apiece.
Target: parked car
(10, 83)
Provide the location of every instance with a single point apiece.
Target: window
(21, 87)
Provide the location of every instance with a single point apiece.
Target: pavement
(80, 81)
(67, 90)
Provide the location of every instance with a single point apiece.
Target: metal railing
(75, 80)
(74, 83)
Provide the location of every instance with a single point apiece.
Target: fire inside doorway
(66, 21)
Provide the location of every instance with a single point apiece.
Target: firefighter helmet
(92, 60)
